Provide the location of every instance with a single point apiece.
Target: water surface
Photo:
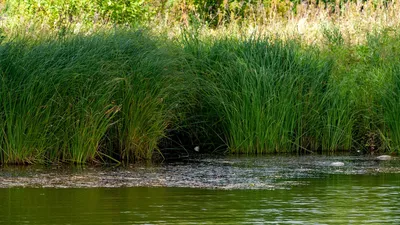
(224, 191)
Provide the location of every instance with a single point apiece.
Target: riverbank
(122, 93)
(118, 96)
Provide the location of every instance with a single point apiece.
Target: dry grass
(352, 20)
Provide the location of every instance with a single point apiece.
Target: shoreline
(225, 173)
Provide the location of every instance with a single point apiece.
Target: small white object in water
(197, 148)
(384, 157)
(337, 164)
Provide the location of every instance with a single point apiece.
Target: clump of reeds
(269, 96)
(387, 76)
(80, 99)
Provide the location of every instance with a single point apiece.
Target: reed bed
(273, 78)
(266, 94)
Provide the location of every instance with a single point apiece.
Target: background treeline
(127, 86)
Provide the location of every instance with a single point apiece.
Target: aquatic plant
(72, 99)
(266, 95)
(391, 110)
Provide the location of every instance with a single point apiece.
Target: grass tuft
(72, 99)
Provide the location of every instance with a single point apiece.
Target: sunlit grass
(70, 99)
(271, 96)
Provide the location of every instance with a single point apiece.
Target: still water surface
(228, 190)
(329, 199)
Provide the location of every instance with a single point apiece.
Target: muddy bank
(270, 172)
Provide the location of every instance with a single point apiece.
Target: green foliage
(386, 49)
(269, 96)
(120, 95)
(263, 96)
(85, 98)
(391, 110)
(365, 73)
(59, 13)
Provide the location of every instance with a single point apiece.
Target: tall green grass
(363, 75)
(270, 96)
(388, 51)
(81, 98)
(120, 95)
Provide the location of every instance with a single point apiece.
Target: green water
(332, 199)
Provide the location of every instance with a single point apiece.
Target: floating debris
(384, 157)
(337, 164)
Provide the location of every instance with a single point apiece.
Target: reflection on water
(330, 199)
